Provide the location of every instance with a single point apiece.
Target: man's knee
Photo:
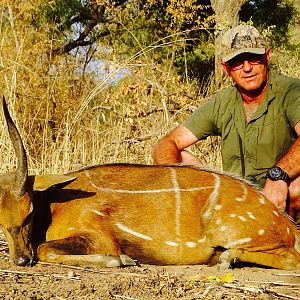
(294, 193)
(294, 188)
(189, 158)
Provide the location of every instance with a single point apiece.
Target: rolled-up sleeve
(202, 121)
(293, 103)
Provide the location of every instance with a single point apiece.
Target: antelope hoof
(127, 261)
(224, 262)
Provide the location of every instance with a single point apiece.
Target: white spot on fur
(275, 213)
(238, 242)
(262, 200)
(191, 244)
(239, 199)
(218, 221)
(172, 244)
(218, 207)
(261, 231)
(242, 218)
(250, 215)
(132, 232)
(288, 230)
(71, 228)
(232, 215)
(223, 228)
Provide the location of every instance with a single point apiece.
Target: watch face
(274, 173)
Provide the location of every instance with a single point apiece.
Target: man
(257, 119)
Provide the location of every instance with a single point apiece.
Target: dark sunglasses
(237, 62)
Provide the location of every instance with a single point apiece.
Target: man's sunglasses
(237, 62)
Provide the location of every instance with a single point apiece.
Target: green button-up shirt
(261, 142)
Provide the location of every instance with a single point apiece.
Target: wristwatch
(276, 173)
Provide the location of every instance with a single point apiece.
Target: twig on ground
(23, 273)
(259, 291)
(275, 283)
(106, 271)
(281, 295)
(124, 297)
(287, 274)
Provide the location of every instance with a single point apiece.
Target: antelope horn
(21, 173)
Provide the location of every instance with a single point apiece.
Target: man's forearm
(290, 162)
(165, 153)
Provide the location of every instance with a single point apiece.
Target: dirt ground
(47, 281)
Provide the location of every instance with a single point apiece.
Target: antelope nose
(22, 261)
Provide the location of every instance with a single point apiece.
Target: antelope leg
(281, 258)
(82, 250)
(99, 260)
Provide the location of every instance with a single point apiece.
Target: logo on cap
(242, 39)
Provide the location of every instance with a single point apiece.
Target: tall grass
(69, 119)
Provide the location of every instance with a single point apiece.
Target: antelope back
(171, 214)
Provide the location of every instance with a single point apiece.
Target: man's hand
(276, 192)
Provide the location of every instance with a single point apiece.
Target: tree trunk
(227, 16)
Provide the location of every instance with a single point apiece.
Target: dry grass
(69, 119)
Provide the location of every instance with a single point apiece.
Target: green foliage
(278, 15)
(63, 13)
(159, 29)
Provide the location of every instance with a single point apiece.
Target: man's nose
(247, 66)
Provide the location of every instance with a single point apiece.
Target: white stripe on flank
(245, 194)
(122, 191)
(215, 193)
(172, 244)
(176, 190)
(97, 212)
(213, 197)
(238, 242)
(135, 233)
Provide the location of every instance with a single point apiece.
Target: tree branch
(97, 16)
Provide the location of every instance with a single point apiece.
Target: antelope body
(112, 215)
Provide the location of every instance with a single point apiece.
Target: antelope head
(16, 205)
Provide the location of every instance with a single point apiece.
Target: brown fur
(104, 215)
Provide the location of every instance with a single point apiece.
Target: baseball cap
(242, 39)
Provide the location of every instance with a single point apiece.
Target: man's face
(249, 71)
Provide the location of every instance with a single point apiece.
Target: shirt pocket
(273, 141)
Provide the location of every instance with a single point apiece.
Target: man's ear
(225, 68)
(268, 55)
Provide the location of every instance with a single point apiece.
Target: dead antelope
(112, 215)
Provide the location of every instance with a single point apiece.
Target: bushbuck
(116, 214)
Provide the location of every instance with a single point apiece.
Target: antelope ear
(51, 182)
